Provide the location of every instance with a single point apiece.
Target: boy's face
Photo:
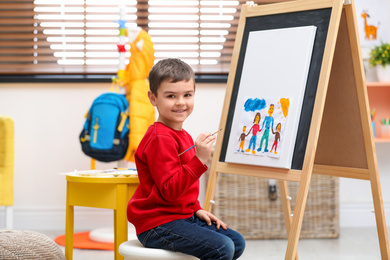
(174, 102)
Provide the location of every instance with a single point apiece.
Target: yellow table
(107, 192)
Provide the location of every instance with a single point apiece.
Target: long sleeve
(172, 178)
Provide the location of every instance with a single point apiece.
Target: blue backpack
(105, 136)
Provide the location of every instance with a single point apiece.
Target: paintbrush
(194, 145)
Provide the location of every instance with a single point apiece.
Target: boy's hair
(170, 69)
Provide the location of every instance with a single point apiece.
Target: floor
(353, 244)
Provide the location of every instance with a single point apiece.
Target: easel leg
(212, 182)
(380, 216)
(299, 210)
(367, 133)
(286, 207)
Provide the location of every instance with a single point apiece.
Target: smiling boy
(165, 209)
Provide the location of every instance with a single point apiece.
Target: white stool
(134, 250)
(106, 235)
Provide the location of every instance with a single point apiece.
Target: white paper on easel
(275, 69)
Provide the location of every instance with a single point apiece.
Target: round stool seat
(106, 235)
(133, 249)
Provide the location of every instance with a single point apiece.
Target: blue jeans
(193, 236)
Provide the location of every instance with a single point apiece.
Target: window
(81, 36)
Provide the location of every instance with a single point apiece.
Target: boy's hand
(210, 218)
(203, 146)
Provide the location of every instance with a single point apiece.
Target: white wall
(48, 119)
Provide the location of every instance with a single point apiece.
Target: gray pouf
(26, 245)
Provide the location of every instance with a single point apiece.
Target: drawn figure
(370, 30)
(277, 137)
(267, 123)
(242, 139)
(255, 129)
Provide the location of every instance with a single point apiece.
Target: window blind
(81, 36)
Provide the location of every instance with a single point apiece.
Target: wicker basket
(242, 202)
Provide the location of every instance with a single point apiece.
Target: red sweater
(169, 184)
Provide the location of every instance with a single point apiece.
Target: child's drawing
(267, 123)
(274, 111)
(285, 103)
(242, 139)
(255, 129)
(277, 138)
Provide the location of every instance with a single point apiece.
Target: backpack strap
(124, 116)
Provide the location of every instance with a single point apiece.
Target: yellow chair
(7, 168)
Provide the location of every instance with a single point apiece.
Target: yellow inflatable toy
(141, 112)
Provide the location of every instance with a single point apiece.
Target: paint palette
(104, 173)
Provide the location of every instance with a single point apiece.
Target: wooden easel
(340, 141)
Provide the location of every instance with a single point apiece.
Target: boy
(165, 209)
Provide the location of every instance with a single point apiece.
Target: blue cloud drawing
(254, 104)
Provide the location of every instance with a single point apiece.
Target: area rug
(81, 240)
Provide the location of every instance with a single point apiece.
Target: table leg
(120, 219)
(69, 232)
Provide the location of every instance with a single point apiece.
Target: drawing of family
(267, 125)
